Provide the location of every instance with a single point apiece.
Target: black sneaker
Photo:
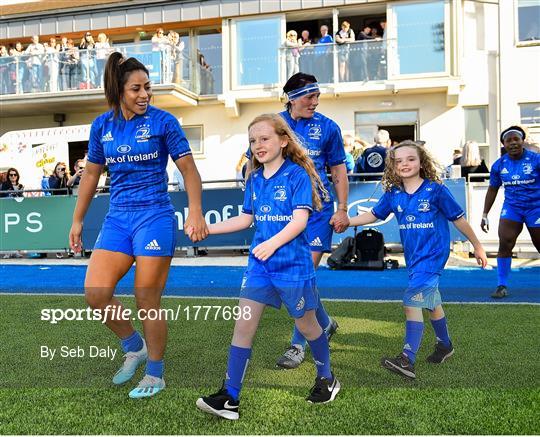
(324, 391)
(441, 353)
(400, 365)
(220, 404)
(500, 292)
(331, 330)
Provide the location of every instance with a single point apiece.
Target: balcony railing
(77, 69)
(358, 61)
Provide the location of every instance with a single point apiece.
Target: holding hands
(195, 228)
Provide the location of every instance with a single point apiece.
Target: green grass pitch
(490, 386)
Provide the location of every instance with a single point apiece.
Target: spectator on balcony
(383, 63)
(306, 53)
(361, 65)
(323, 53)
(5, 79)
(36, 52)
(292, 52)
(206, 75)
(159, 40)
(103, 48)
(344, 37)
(73, 65)
(375, 55)
(373, 158)
(12, 187)
(88, 60)
(21, 80)
(177, 56)
(471, 162)
(59, 179)
(63, 66)
(160, 43)
(52, 63)
(12, 70)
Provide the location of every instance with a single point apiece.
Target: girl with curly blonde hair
(423, 206)
(430, 169)
(281, 191)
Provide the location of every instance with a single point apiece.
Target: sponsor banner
(41, 223)
(44, 223)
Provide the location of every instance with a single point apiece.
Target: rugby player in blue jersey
(518, 171)
(135, 141)
(282, 190)
(423, 206)
(321, 137)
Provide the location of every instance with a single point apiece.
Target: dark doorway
(401, 133)
(77, 150)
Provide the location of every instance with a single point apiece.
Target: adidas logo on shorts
(316, 242)
(153, 245)
(300, 304)
(418, 298)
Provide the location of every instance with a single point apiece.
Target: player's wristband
(484, 216)
(342, 207)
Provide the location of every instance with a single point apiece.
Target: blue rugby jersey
(136, 152)
(272, 202)
(321, 137)
(423, 224)
(520, 179)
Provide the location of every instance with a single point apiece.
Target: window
(528, 20)
(476, 124)
(209, 60)
(530, 113)
(420, 37)
(257, 46)
(194, 135)
(476, 129)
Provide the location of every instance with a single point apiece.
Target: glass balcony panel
(362, 61)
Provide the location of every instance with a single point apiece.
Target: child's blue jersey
(136, 152)
(520, 178)
(321, 137)
(423, 224)
(272, 202)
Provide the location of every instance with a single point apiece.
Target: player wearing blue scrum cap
(518, 171)
(423, 206)
(135, 141)
(281, 192)
(321, 137)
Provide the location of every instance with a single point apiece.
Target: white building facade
(440, 71)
